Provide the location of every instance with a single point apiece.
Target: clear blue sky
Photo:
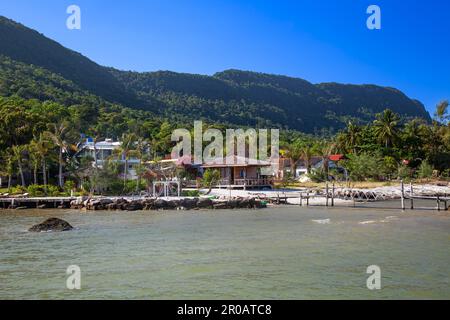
(320, 40)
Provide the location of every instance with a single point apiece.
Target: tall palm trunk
(22, 178)
(44, 175)
(125, 176)
(60, 177)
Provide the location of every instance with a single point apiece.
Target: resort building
(107, 151)
(235, 172)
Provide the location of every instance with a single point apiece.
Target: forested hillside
(33, 66)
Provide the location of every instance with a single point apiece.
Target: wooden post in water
(402, 187)
(307, 198)
(438, 203)
(411, 195)
(332, 196)
(326, 194)
(300, 199)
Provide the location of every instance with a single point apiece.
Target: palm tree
(324, 149)
(307, 151)
(293, 152)
(142, 149)
(58, 136)
(442, 111)
(40, 147)
(7, 167)
(353, 135)
(386, 127)
(125, 150)
(18, 152)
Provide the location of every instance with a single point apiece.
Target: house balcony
(237, 183)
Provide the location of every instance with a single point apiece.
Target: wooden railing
(253, 182)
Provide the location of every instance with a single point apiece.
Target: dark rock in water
(51, 224)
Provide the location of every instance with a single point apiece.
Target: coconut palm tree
(386, 127)
(352, 136)
(141, 152)
(40, 147)
(58, 135)
(125, 150)
(7, 167)
(307, 151)
(324, 149)
(293, 152)
(18, 152)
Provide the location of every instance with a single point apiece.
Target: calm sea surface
(284, 252)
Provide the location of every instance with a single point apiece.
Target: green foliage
(425, 170)
(190, 193)
(43, 84)
(364, 166)
(210, 177)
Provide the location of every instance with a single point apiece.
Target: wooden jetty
(35, 202)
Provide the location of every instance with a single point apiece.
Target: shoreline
(226, 199)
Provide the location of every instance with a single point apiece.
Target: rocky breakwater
(131, 204)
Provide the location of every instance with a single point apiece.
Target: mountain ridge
(231, 96)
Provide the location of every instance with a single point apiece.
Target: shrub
(190, 193)
(425, 170)
(364, 166)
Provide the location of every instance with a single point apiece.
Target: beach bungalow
(241, 172)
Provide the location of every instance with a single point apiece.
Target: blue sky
(320, 41)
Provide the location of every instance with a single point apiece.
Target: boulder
(133, 205)
(204, 203)
(188, 203)
(51, 224)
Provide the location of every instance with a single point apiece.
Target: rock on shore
(51, 224)
(165, 204)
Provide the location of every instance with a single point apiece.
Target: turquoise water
(280, 253)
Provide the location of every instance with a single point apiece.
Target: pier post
(438, 203)
(402, 187)
(411, 195)
(307, 198)
(332, 196)
(326, 194)
(300, 199)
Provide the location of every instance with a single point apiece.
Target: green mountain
(33, 66)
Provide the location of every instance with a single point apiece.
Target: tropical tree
(441, 113)
(386, 127)
(125, 150)
(141, 151)
(307, 152)
(324, 149)
(7, 166)
(58, 135)
(18, 152)
(293, 152)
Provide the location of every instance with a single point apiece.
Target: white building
(106, 150)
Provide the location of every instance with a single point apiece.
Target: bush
(36, 190)
(190, 193)
(365, 166)
(69, 185)
(425, 170)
